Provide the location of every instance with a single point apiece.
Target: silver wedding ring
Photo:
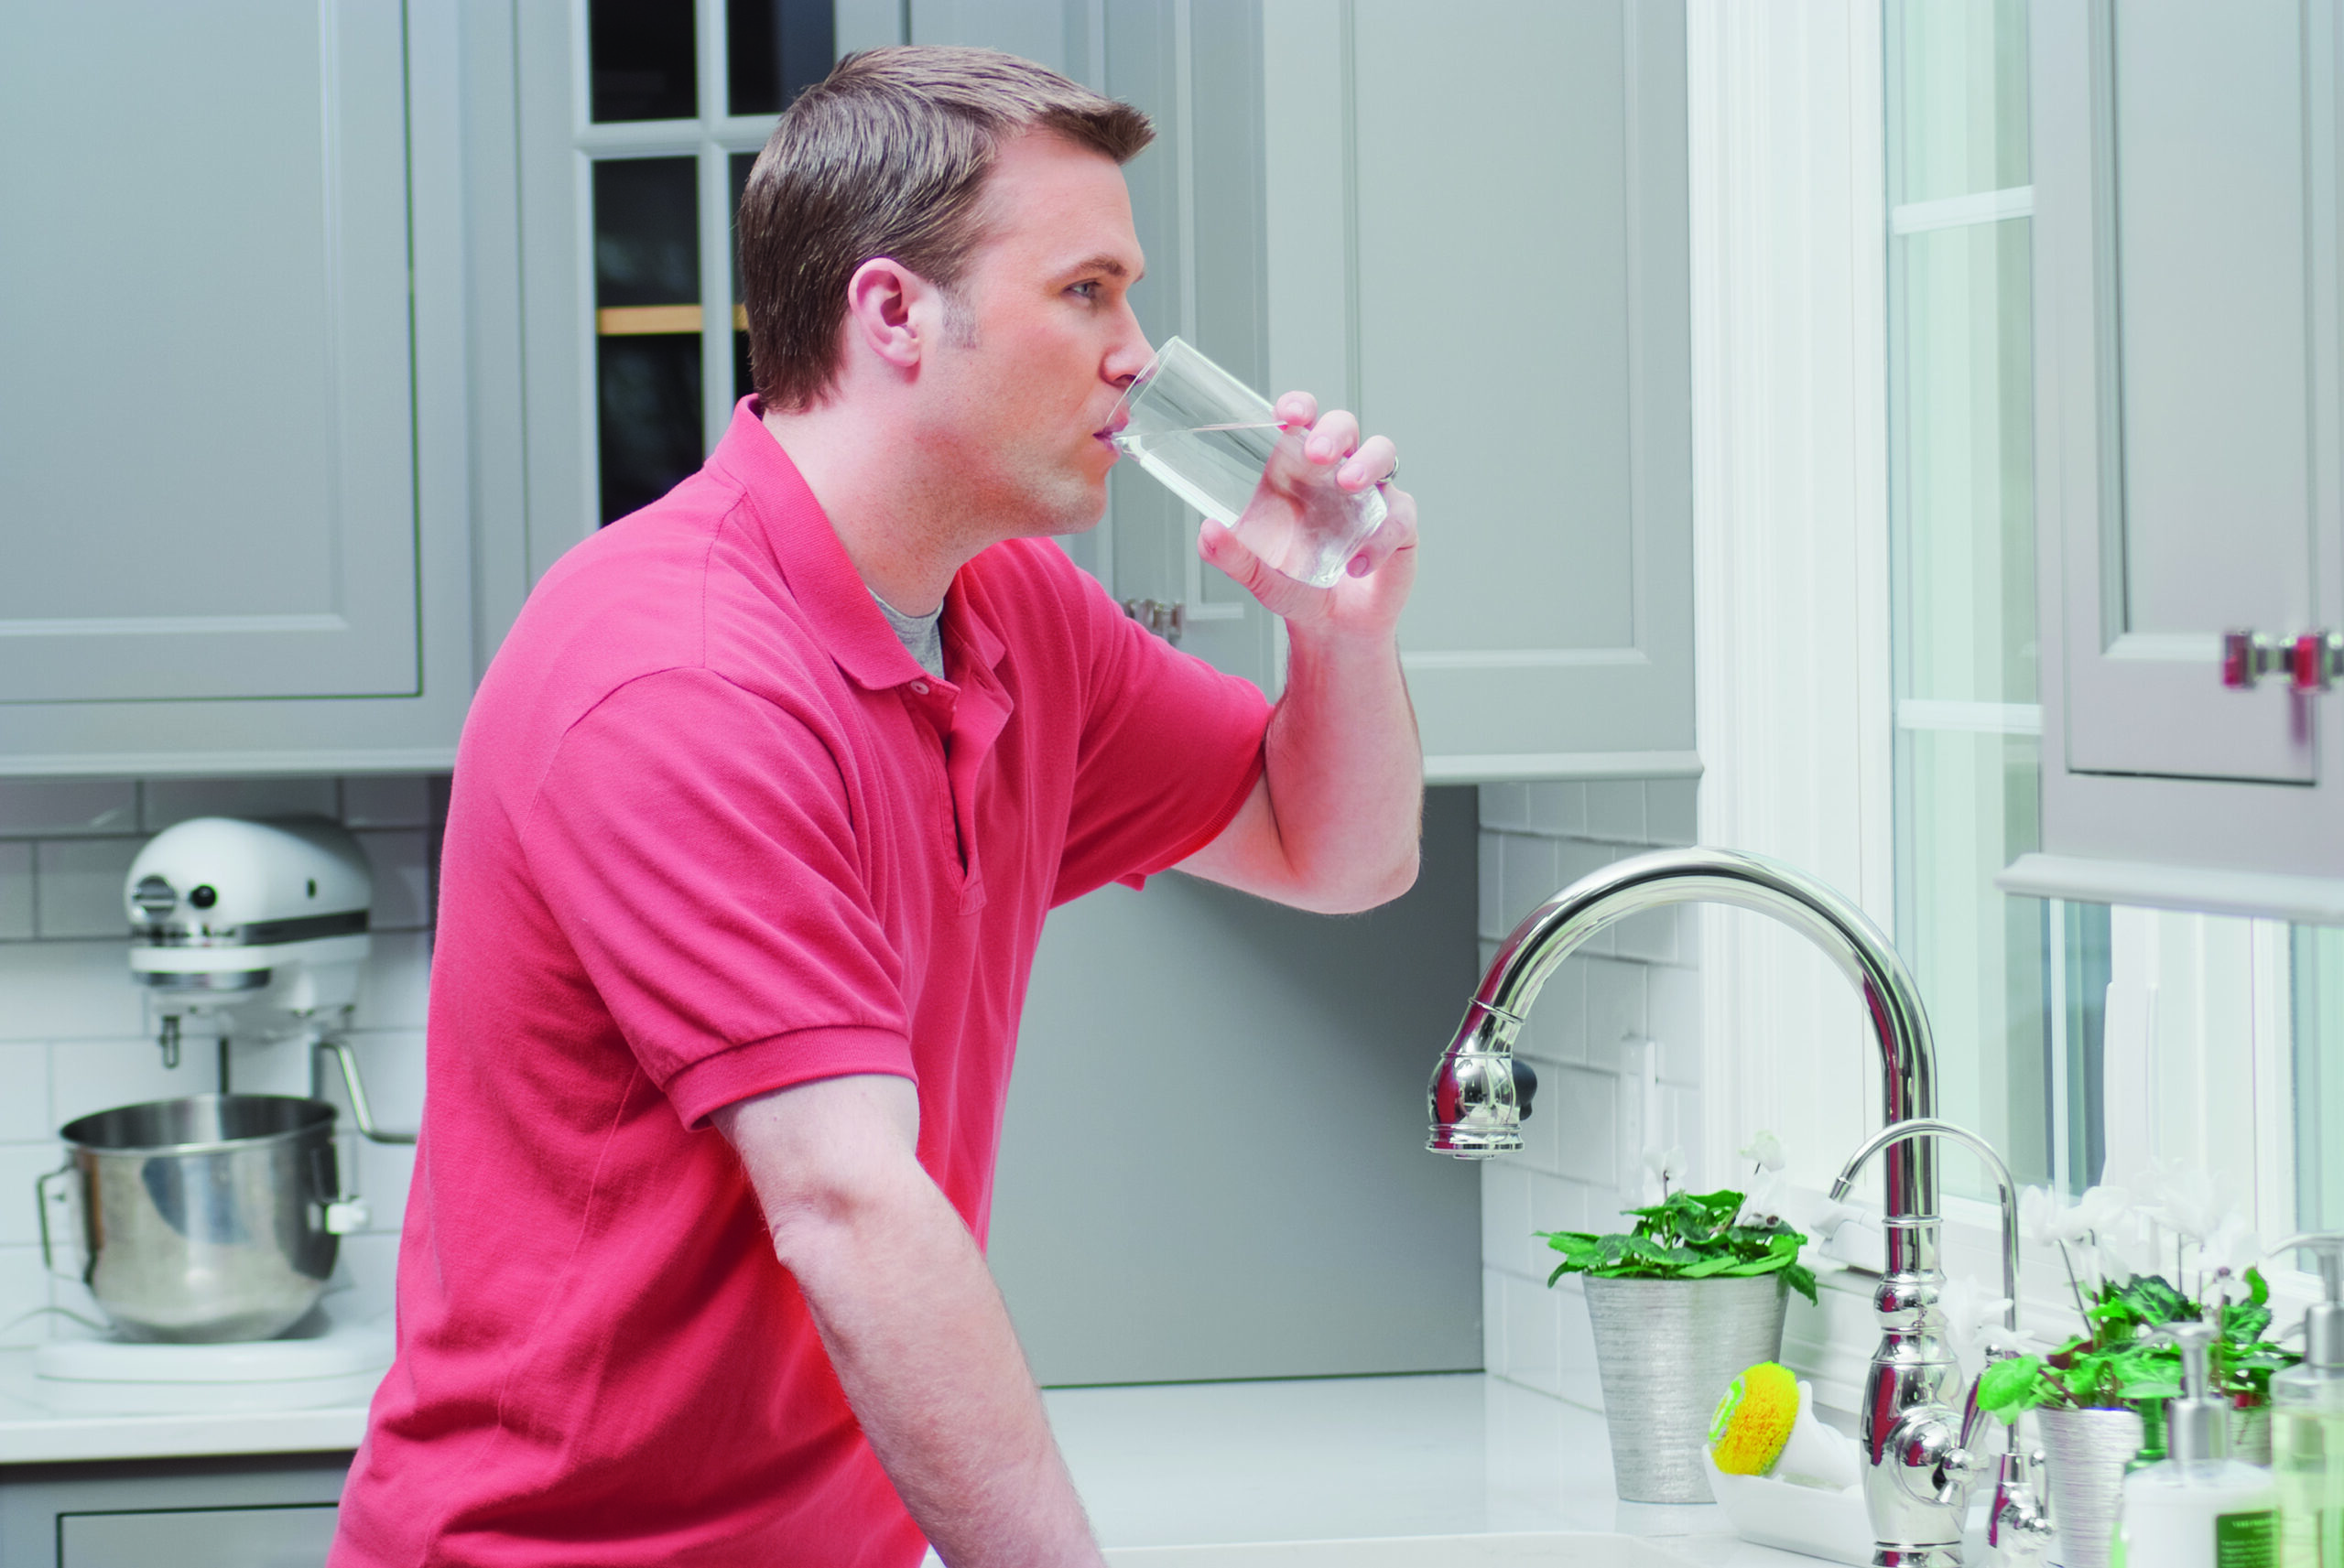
(1393, 477)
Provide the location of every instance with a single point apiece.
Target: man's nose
(1130, 355)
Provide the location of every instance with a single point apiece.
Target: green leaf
(2006, 1387)
(2258, 1289)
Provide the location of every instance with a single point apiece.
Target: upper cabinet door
(2188, 459)
(2182, 293)
(208, 455)
(1478, 226)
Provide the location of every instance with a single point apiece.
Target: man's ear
(884, 314)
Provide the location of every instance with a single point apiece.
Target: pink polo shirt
(714, 833)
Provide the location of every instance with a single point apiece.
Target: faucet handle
(2020, 1525)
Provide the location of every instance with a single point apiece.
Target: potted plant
(1680, 1304)
(2098, 1399)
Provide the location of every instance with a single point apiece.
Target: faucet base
(1468, 1144)
(1916, 1557)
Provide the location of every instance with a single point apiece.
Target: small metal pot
(2087, 1451)
(1667, 1349)
(211, 1217)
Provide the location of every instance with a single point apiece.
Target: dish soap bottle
(2307, 1424)
(2199, 1508)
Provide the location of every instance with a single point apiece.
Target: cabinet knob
(2247, 657)
(2314, 660)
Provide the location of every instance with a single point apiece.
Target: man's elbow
(1362, 890)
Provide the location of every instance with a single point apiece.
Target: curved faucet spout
(1473, 1103)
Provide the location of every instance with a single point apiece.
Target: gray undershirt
(922, 635)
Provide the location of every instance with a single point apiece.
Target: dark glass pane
(650, 418)
(642, 59)
(744, 383)
(646, 232)
(773, 48)
(742, 163)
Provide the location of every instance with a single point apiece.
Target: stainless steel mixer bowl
(203, 1219)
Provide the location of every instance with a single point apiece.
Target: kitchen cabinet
(256, 1511)
(1478, 238)
(237, 470)
(2189, 459)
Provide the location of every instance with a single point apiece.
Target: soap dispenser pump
(2198, 1508)
(2308, 1421)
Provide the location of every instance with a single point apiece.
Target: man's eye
(1087, 291)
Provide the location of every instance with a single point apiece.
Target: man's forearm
(1345, 769)
(911, 1320)
(924, 1348)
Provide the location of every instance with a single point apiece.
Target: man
(755, 821)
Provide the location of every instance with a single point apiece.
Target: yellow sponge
(1754, 1419)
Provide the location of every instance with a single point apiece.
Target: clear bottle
(2307, 1424)
(2200, 1507)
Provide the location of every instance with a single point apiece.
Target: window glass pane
(1958, 74)
(647, 298)
(2319, 1077)
(773, 48)
(642, 60)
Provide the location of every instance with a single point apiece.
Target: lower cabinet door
(290, 1537)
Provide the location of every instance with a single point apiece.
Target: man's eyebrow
(1104, 263)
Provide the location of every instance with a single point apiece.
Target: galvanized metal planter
(2087, 1451)
(1667, 1350)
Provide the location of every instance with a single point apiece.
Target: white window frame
(1790, 229)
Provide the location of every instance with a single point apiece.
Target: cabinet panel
(206, 422)
(2187, 448)
(296, 1537)
(2179, 318)
(1506, 290)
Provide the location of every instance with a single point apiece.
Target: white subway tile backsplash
(1541, 1143)
(1615, 1010)
(20, 1164)
(365, 1278)
(1559, 808)
(1491, 887)
(167, 800)
(1649, 938)
(394, 992)
(399, 800)
(24, 1094)
(1526, 876)
(1505, 806)
(1587, 1116)
(1532, 1333)
(86, 1075)
(24, 1297)
(1492, 1323)
(1505, 1214)
(67, 990)
(57, 808)
(1615, 811)
(1577, 1379)
(77, 886)
(384, 1172)
(1673, 1022)
(1555, 1028)
(390, 1064)
(401, 864)
(16, 892)
(1670, 817)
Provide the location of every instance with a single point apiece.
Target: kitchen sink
(1577, 1548)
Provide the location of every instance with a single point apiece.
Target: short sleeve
(1170, 749)
(695, 844)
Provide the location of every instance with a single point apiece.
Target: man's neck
(896, 519)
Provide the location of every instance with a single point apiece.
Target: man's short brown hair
(887, 156)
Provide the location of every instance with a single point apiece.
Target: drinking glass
(1218, 445)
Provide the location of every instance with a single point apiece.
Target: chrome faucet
(1917, 1473)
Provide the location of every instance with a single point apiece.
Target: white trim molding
(1790, 443)
(2084, 879)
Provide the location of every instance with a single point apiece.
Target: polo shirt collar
(821, 578)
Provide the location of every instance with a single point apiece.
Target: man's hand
(1333, 824)
(911, 1320)
(1366, 600)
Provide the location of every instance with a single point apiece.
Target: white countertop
(1159, 1466)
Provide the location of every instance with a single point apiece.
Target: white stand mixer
(240, 919)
